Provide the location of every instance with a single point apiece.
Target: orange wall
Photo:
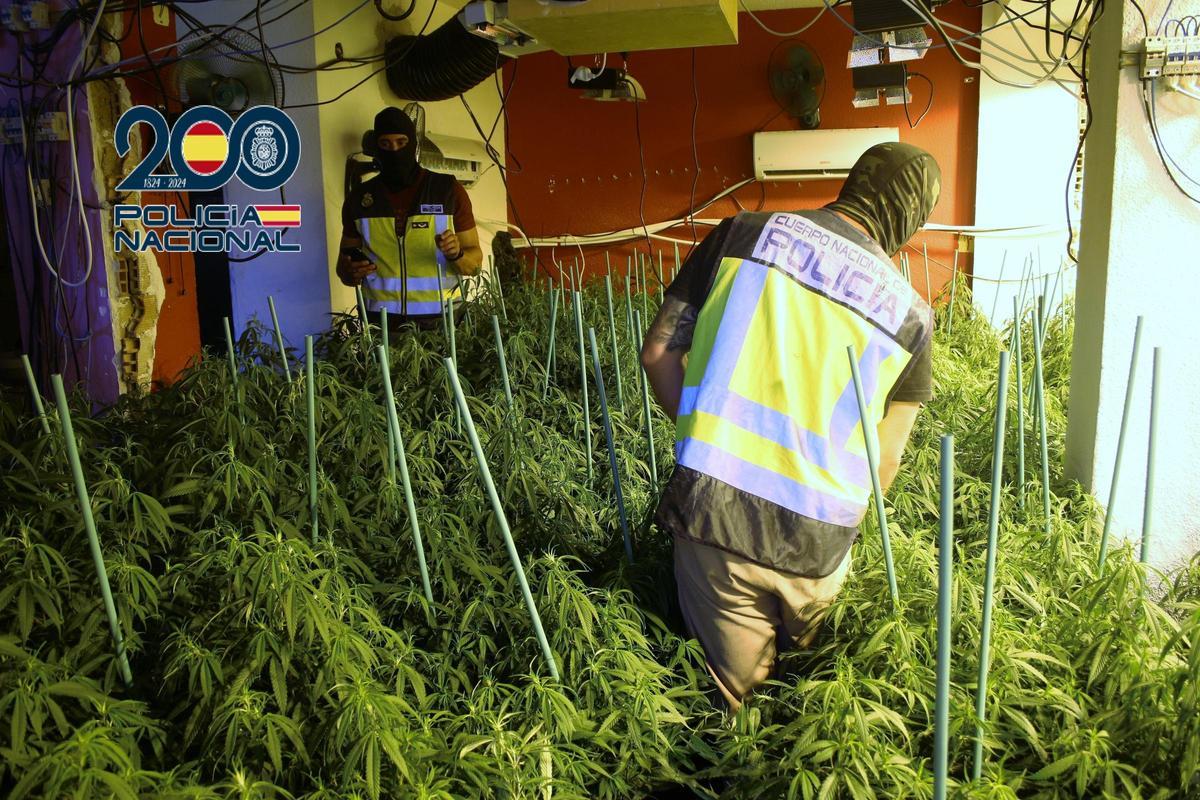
(178, 335)
(574, 166)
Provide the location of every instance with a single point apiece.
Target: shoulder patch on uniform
(368, 200)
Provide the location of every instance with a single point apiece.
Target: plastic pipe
(389, 404)
(501, 521)
(587, 411)
(1147, 511)
(953, 287)
(1112, 491)
(612, 329)
(311, 400)
(612, 449)
(645, 382)
(869, 434)
(89, 525)
(233, 370)
(989, 575)
(1040, 402)
(999, 282)
(37, 395)
(928, 285)
(503, 363)
(941, 730)
(287, 369)
(550, 346)
(1017, 321)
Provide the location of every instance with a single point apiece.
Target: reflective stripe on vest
(768, 405)
(414, 280)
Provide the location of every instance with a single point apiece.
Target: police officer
(408, 233)
(771, 477)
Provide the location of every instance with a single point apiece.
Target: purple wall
(65, 328)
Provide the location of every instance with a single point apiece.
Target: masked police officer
(408, 233)
(771, 478)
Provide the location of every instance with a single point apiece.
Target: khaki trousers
(737, 608)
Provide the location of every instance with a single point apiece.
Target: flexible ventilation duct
(442, 64)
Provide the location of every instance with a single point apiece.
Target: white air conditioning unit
(463, 158)
(814, 155)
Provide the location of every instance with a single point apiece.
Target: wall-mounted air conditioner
(814, 155)
(463, 158)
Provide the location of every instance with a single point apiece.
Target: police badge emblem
(264, 151)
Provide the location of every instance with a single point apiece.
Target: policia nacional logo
(207, 149)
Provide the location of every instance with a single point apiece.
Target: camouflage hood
(891, 190)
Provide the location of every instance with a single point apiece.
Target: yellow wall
(343, 122)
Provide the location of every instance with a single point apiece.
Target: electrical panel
(50, 126)
(21, 17)
(1164, 56)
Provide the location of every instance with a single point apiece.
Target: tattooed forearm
(674, 326)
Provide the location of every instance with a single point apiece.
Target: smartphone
(355, 253)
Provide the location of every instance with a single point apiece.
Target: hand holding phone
(355, 267)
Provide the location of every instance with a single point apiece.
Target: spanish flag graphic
(279, 216)
(205, 148)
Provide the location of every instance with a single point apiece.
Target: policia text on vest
(769, 441)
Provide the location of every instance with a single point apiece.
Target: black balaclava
(891, 191)
(398, 167)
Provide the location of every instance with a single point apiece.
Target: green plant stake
(1020, 362)
(383, 336)
(953, 286)
(587, 411)
(629, 304)
(89, 525)
(311, 400)
(675, 273)
(550, 346)
(501, 521)
(612, 447)
(869, 434)
(1112, 491)
(1147, 511)
(1040, 404)
(645, 383)
(941, 730)
(453, 353)
(233, 370)
(928, 285)
(287, 369)
(37, 395)
(362, 317)
(612, 329)
(644, 288)
(662, 286)
(989, 577)
(399, 455)
(503, 364)
(999, 282)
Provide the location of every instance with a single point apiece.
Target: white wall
(342, 122)
(1138, 257)
(1027, 140)
(295, 280)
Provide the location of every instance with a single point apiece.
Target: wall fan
(797, 79)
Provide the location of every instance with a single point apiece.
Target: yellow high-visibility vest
(771, 459)
(412, 277)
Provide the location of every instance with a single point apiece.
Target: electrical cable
(928, 104)
(637, 128)
(763, 25)
(1148, 102)
(390, 63)
(403, 15)
(695, 152)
